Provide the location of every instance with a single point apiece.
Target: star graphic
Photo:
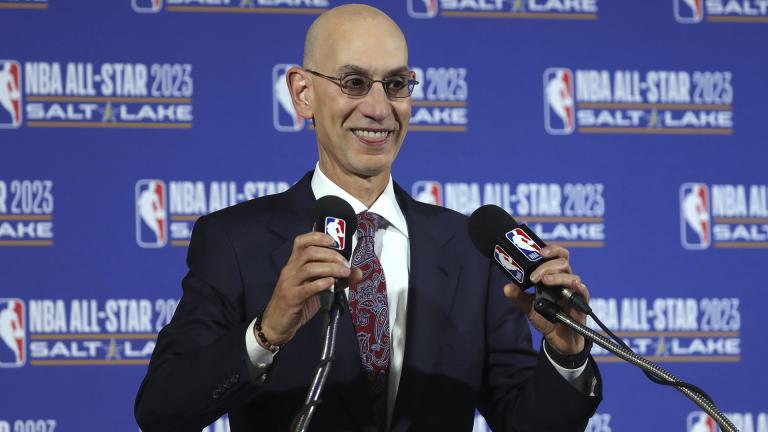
(653, 121)
(107, 113)
(114, 352)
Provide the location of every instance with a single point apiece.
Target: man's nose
(376, 104)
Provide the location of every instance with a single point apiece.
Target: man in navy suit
(245, 338)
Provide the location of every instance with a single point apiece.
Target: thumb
(521, 299)
(355, 276)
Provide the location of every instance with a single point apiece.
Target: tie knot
(367, 224)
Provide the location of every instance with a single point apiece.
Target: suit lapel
(431, 289)
(291, 219)
(287, 222)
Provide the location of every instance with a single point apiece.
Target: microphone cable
(654, 378)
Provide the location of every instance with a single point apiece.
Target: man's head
(358, 136)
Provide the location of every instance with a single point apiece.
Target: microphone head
(514, 248)
(486, 225)
(335, 217)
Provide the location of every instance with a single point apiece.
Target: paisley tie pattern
(370, 311)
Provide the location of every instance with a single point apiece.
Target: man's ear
(301, 94)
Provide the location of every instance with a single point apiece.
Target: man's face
(360, 136)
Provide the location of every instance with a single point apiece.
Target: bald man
(432, 332)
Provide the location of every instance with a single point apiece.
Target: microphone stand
(545, 304)
(304, 416)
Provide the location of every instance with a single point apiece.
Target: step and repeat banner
(633, 133)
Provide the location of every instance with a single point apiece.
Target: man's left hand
(555, 272)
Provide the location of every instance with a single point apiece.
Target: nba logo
(559, 110)
(699, 421)
(689, 11)
(337, 229)
(151, 214)
(10, 94)
(422, 8)
(509, 264)
(147, 6)
(13, 346)
(695, 220)
(525, 244)
(428, 191)
(284, 115)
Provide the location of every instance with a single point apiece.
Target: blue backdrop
(631, 132)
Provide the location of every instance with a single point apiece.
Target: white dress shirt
(393, 249)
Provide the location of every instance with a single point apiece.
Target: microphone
(335, 217)
(514, 248)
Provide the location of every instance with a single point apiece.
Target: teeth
(370, 134)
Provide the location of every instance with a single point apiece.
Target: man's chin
(374, 166)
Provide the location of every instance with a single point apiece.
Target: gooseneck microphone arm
(304, 416)
(553, 312)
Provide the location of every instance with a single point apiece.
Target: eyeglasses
(354, 84)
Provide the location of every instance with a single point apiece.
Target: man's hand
(312, 268)
(556, 272)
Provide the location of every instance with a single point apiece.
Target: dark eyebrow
(402, 70)
(350, 68)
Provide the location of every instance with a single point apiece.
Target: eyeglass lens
(359, 85)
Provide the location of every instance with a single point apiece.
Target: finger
(560, 279)
(317, 270)
(523, 300)
(308, 289)
(311, 239)
(555, 251)
(321, 254)
(355, 276)
(559, 265)
(578, 287)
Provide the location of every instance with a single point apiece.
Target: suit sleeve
(522, 390)
(200, 367)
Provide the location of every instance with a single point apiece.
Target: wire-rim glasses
(358, 85)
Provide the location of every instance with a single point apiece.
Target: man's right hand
(312, 268)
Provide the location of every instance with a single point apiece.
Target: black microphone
(514, 248)
(335, 217)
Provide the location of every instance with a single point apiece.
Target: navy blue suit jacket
(465, 347)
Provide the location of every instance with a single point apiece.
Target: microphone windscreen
(335, 217)
(486, 225)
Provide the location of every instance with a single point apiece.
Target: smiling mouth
(371, 134)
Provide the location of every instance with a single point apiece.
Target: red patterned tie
(369, 309)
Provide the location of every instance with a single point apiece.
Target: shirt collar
(385, 206)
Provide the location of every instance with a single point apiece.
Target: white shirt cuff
(570, 375)
(260, 357)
